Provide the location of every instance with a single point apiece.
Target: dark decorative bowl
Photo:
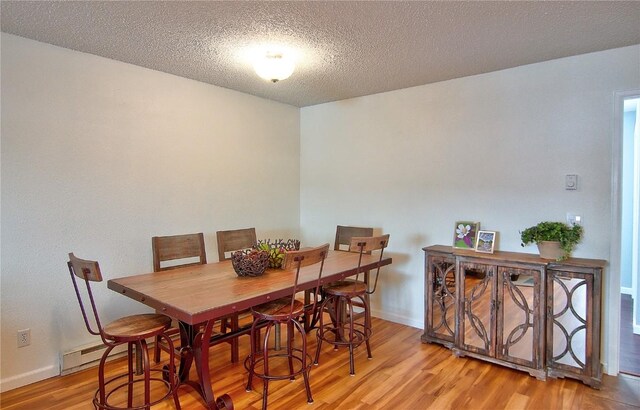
(250, 262)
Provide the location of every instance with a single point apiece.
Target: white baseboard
(33, 376)
(626, 291)
(403, 320)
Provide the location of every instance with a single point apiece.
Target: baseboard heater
(87, 356)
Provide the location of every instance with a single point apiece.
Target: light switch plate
(571, 182)
(573, 219)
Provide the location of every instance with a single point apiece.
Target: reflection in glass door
(518, 324)
(478, 306)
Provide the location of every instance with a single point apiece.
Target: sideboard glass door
(478, 324)
(519, 328)
(441, 310)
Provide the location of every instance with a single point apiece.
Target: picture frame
(464, 234)
(485, 241)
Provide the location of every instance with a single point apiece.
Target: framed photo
(464, 234)
(486, 241)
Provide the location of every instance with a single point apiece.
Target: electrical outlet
(24, 337)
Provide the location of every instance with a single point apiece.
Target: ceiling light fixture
(274, 66)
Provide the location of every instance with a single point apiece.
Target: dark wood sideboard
(516, 310)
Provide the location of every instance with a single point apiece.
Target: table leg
(186, 352)
(195, 346)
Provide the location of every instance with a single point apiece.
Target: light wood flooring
(403, 374)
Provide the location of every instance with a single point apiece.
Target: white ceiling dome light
(274, 66)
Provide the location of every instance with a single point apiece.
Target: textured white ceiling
(345, 49)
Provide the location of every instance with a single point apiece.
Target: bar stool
(343, 295)
(286, 311)
(132, 330)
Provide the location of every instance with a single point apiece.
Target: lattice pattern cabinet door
(573, 323)
(440, 299)
(478, 304)
(520, 318)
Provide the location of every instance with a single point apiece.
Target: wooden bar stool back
(286, 311)
(132, 330)
(347, 330)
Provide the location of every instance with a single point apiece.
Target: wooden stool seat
(345, 288)
(137, 326)
(278, 310)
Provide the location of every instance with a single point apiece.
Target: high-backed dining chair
(132, 330)
(345, 233)
(178, 248)
(234, 240)
(351, 332)
(228, 242)
(285, 311)
(179, 251)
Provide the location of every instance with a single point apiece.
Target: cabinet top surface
(516, 257)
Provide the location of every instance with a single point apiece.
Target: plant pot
(550, 250)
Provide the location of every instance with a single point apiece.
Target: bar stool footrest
(297, 359)
(361, 334)
(162, 378)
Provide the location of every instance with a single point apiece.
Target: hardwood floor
(629, 342)
(403, 374)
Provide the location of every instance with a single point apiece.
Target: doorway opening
(629, 360)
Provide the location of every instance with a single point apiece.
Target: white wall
(98, 156)
(493, 148)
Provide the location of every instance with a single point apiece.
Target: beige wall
(493, 148)
(98, 156)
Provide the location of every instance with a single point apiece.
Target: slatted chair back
(345, 233)
(88, 271)
(299, 259)
(234, 240)
(176, 247)
(365, 245)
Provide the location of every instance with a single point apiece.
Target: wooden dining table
(198, 295)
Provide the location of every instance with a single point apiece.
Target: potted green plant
(555, 240)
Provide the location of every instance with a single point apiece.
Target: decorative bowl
(250, 262)
(277, 249)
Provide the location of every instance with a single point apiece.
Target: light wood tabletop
(198, 295)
